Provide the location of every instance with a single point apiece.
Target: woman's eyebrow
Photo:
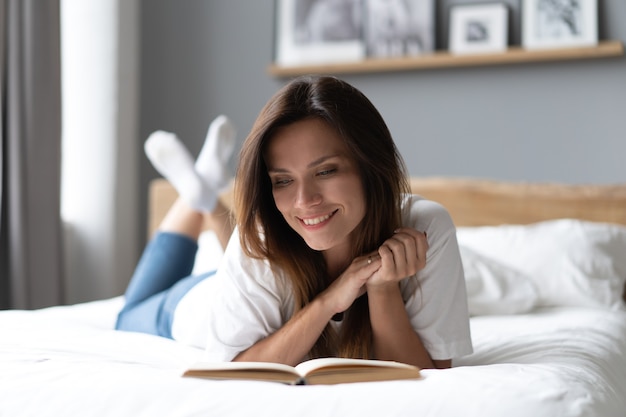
(311, 164)
(321, 160)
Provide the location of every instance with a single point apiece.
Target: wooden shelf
(514, 55)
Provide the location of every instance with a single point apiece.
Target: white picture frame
(395, 28)
(479, 28)
(559, 23)
(310, 32)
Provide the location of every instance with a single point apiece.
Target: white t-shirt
(246, 301)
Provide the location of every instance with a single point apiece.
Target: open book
(314, 371)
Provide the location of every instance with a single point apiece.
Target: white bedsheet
(67, 361)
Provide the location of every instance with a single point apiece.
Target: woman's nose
(308, 195)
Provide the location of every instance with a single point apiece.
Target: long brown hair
(264, 233)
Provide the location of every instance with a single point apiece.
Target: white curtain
(99, 172)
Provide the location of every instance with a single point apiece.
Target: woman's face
(316, 185)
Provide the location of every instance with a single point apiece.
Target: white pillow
(493, 288)
(571, 262)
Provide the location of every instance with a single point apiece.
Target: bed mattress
(68, 361)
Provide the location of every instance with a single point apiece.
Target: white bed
(539, 350)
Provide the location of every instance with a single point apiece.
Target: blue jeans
(162, 277)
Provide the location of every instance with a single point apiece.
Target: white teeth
(317, 220)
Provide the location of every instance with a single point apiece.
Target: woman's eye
(280, 182)
(326, 172)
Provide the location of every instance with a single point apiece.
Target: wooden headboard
(478, 202)
(475, 202)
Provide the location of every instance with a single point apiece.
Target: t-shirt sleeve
(437, 302)
(250, 304)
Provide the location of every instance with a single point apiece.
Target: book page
(314, 364)
(243, 366)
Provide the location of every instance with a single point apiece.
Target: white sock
(172, 160)
(212, 162)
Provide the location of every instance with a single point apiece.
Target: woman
(332, 255)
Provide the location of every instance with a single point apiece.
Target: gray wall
(545, 121)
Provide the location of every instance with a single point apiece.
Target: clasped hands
(400, 256)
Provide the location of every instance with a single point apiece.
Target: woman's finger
(421, 242)
(409, 248)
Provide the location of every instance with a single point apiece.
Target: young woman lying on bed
(331, 257)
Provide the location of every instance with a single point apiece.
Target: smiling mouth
(317, 220)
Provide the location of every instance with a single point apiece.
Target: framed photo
(319, 31)
(399, 27)
(479, 28)
(559, 23)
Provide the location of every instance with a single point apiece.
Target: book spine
(300, 381)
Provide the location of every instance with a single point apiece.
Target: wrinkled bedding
(68, 361)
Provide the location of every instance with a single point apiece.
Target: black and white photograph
(319, 31)
(479, 28)
(323, 21)
(399, 27)
(559, 23)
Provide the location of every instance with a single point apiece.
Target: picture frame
(318, 32)
(395, 28)
(479, 28)
(559, 23)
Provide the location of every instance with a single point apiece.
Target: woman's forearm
(292, 342)
(393, 336)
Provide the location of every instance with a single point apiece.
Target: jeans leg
(167, 258)
(155, 314)
(160, 280)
